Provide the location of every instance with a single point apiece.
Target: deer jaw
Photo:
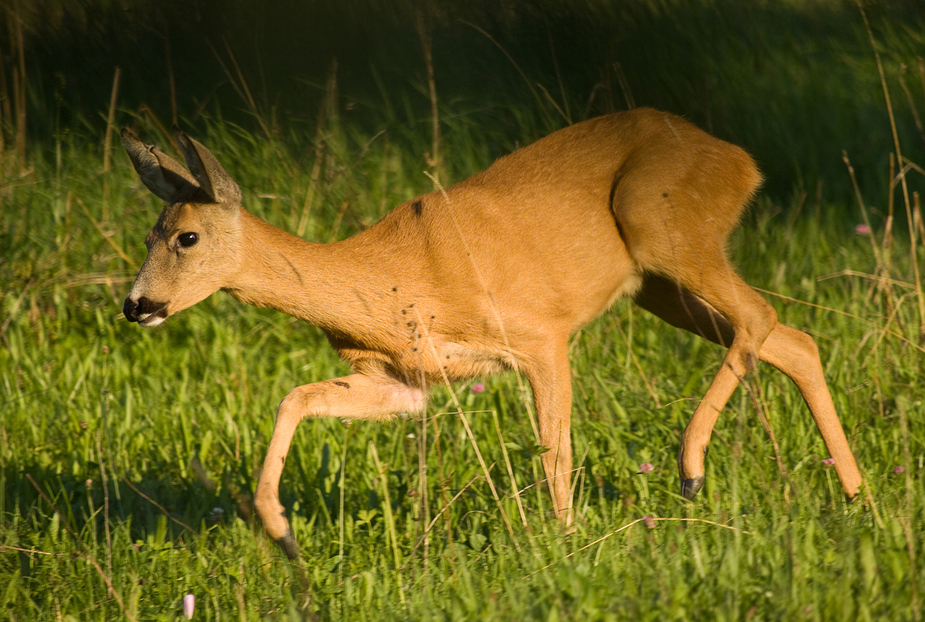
(192, 253)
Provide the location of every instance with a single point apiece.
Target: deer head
(192, 248)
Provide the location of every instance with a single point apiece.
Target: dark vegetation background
(794, 82)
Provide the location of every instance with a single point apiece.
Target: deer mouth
(154, 319)
(144, 311)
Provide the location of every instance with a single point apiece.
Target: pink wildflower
(828, 461)
(478, 387)
(646, 467)
(899, 470)
(189, 603)
(862, 229)
(649, 522)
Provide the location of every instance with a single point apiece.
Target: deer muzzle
(144, 311)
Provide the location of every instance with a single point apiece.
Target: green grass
(101, 422)
(128, 457)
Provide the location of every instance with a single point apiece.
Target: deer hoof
(690, 487)
(288, 544)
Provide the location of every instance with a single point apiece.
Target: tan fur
(503, 269)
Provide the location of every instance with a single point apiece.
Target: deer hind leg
(795, 353)
(752, 319)
(353, 397)
(552, 396)
(789, 350)
(690, 255)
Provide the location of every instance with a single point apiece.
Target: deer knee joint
(294, 405)
(750, 360)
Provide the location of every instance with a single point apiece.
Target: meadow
(128, 457)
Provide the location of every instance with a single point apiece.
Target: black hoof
(289, 546)
(690, 487)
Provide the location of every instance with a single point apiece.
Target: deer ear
(208, 172)
(163, 175)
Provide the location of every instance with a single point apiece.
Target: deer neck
(327, 285)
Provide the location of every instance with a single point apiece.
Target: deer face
(191, 254)
(193, 248)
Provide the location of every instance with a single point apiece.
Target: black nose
(142, 309)
(130, 310)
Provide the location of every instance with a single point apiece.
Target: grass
(127, 457)
(103, 514)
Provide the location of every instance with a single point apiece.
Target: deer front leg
(552, 396)
(352, 397)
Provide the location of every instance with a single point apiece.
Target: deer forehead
(188, 217)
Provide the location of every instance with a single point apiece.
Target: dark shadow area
(796, 85)
(37, 494)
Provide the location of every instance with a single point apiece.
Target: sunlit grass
(104, 427)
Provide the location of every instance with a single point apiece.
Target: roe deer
(497, 273)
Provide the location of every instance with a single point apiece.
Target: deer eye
(188, 239)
